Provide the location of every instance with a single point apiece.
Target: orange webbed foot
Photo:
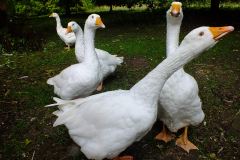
(184, 143)
(100, 87)
(165, 135)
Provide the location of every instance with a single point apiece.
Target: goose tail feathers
(65, 107)
(58, 101)
(119, 60)
(50, 81)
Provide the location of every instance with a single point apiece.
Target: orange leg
(165, 135)
(123, 158)
(184, 143)
(100, 87)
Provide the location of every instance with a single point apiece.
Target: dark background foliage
(13, 14)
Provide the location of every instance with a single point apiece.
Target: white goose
(80, 80)
(179, 103)
(69, 39)
(107, 61)
(105, 124)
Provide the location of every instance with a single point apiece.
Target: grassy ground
(26, 126)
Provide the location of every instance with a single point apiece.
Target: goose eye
(201, 34)
(92, 17)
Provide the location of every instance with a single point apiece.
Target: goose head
(203, 38)
(54, 15)
(175, 14)
(72, 27)
(94, 21)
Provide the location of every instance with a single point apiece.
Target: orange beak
(219, 32)
(175, 9)
(99, 22)
(51, 15)
(69, 30)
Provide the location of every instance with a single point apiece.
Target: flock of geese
(105, 124)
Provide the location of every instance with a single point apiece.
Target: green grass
(27, 125)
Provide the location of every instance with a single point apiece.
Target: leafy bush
(37, 7)
(87, 4)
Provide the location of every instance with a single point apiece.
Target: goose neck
(89, 47)
(79, 45)
(59, 25)
(173, 31)
(150, 86)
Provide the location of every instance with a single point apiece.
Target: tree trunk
(111, 8)
(3, 14)
(215, 5)
(67, 9)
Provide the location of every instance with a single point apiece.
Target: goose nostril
(175, 14)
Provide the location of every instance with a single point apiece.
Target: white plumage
(106, 124)
(69, 38)
(180, 105)
(80, 80)
(107, 61)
